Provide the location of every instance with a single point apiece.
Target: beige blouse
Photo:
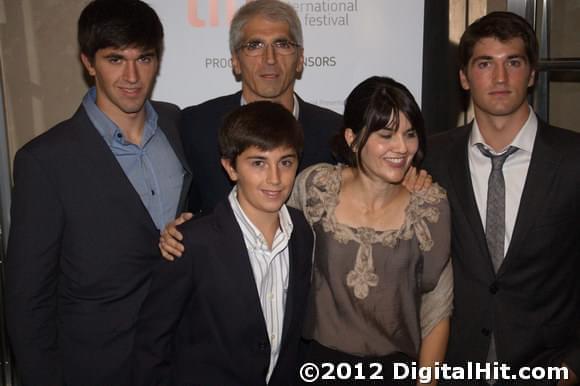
(375, 292)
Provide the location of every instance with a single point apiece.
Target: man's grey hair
(274, 10)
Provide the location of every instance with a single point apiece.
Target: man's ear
(88, 64)
(236, 64)
(300, 64)
(532, 78)
(464, 80)
(230, 168)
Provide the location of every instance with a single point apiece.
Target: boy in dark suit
(229, 311)
(90, 196)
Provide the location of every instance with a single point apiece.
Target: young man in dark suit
(268, 56)
(239, 290)
(513, 183)
(90, 196)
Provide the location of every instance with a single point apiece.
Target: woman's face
(388, 154)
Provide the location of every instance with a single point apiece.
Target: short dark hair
(263, 124)
(502, 26)
(373, 105)
(119, 23)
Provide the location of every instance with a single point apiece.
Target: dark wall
(442, 97)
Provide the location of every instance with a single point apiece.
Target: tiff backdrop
(345, 42)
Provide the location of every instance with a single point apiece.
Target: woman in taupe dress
(382, 285)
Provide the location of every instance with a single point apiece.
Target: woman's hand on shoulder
(170, 241)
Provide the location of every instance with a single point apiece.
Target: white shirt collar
(524, 140)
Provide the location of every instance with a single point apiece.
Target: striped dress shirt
(270, 268)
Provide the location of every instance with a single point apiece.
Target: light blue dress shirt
(152, 167)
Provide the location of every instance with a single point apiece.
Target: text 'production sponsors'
(326, 13)
(309, 61)
(327, 371)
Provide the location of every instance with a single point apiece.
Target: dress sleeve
(298, 197)
(434, 235)
(312, 188)
(437, 304)
(437, 278)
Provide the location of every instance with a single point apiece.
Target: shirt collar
(109, 129)
(524, 140)
(249, 229)
(295, 112)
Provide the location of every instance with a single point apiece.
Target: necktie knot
(497, 160)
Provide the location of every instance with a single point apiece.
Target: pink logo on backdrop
(214, 8)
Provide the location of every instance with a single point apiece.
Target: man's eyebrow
(518, 56)
(290, 155)
(259, 157)
(489, 57)
(276, 38)
(115, 55)
(482, 57)
(256, 158)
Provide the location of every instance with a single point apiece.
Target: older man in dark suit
(266, 46)
(90, 196)
(513, 183)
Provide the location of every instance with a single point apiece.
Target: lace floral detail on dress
(422, 210)
(322, 187)
(325, 188)
(363, 275)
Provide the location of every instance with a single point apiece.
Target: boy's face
(264, 178)
(124, 78)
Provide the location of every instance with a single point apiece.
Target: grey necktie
(495, 214)
(495, 220)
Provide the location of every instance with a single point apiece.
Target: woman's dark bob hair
(373, 105)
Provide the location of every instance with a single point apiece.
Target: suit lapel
(107, 171)
(172, 134)
(542, 170)
(463, 187)
(232, 248)
(294, 251)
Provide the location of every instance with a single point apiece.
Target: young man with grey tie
(513, 183)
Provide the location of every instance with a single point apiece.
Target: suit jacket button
(262, 346)
(493, 288)
(485, 331)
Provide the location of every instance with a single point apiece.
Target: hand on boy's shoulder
(415, 181)
(170, 241)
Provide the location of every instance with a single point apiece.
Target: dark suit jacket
(532, 305)
(199, 133)
(80, 253)
(222, 338)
